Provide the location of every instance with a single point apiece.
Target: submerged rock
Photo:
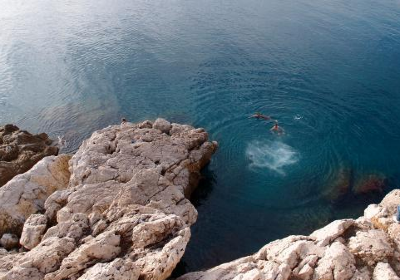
(125, 212)
(20, 150)
(370, 183)
(341, 184)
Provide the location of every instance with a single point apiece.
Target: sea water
(328, 71)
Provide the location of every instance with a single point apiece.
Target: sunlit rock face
(125, 212)
(26, 193)
(364, 249)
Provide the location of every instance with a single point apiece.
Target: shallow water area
(327, 70)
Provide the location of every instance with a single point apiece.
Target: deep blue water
(329, 71)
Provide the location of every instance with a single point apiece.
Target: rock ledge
(122, 214)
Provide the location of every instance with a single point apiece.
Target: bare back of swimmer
(258, 115)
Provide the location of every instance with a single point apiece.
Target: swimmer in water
(258, 115)
(123, 121)
(276, 128)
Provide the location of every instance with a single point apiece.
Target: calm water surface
(328, 70)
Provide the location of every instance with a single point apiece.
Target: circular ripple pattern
(328, 71)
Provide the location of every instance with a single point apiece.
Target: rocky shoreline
(116, 210)
(119, 209)
(362, 249)
(20, 150)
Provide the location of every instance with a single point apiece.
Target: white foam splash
(274, 155)
(297, 117)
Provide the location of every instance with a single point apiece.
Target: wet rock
(20, 150)
(26, 193)
(9, 241)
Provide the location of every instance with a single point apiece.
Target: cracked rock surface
(124, 213)
(20, 150)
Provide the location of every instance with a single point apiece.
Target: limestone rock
(43, 259)
(163, 125)
(124, 214)
(118, 269)
(361, 274)
(342, 250)
(20, 150)
(26, 193)
(9, 241)
(391, 200)
(336, 264)
(372, 246)
(394, 234)
(383, 271)
(330, 232)
(374, 210)
(7, 261)
(33, 230)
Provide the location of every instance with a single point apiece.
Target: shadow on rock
(206, 185)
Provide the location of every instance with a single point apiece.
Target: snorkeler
(276, 128)
(258, 115)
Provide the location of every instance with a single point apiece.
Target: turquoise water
(329, 71)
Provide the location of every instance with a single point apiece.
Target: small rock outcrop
(124, 213)
(364, 249)
(26, 193)
(20, 150)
